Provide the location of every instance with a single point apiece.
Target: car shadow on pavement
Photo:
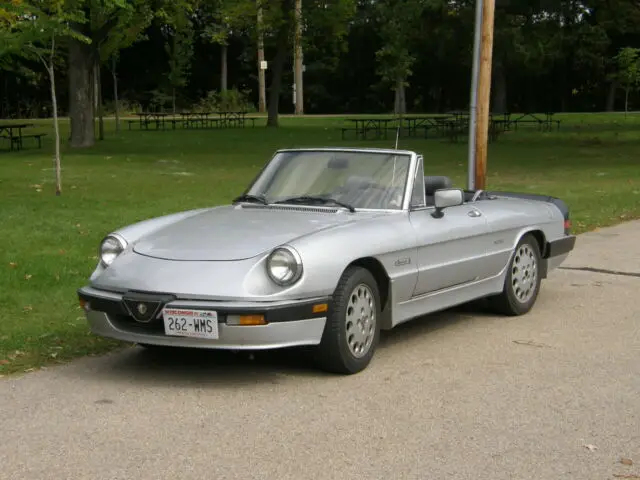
(220, 368)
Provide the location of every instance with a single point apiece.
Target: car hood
(236, 232)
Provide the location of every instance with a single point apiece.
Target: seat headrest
(436, 182)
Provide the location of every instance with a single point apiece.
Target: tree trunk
(115, 93)
(98, 96)
(299, 108)
(262, 96)
(56, 128)
(611, 96)
(626, 101)
(80, 98)
(499, 89)
(173, 100)
(278, 68)
(400, 103)
(223, 68)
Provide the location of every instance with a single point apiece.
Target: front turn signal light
(246, 320)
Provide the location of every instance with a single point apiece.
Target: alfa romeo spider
(324, 249)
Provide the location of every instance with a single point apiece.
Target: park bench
(13, 134)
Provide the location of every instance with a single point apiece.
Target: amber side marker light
(252, 320)
(320, 307)
(84, 305)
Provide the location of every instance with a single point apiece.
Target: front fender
(390, 240)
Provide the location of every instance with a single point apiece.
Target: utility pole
(262, 65)
(481, 94)
(298, 66)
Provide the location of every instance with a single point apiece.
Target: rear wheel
(522, 283)
(352, 331)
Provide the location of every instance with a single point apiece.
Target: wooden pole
(484, 94)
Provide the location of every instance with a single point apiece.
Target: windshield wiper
(314, 199)
(251, 198)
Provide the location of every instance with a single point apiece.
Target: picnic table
(544, 121)
(364, 125)
(198, 119)
(192, 119)
(236, 119)
(440, 122)
(147, 118)
(13, 133)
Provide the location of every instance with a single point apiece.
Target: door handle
(474, 213)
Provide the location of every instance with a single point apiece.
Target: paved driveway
(455, 395)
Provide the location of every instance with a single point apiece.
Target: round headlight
(110, 248)
(284, 266)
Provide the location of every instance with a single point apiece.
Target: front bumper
(288, 323)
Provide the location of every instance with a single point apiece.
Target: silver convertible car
(325, 248)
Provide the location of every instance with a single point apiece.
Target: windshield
(369, 180)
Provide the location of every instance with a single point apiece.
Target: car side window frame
(418, 199)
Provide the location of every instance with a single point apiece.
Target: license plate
(181, 322)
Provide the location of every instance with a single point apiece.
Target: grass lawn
(50, 243)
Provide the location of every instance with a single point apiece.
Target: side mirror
(447, 197)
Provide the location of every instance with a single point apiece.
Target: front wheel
(352, 331)
(522, 283)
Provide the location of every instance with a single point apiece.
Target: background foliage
(559, 55)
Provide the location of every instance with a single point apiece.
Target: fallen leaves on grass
(4, 362)
(28, 276)
(13, 265)
(27, 308)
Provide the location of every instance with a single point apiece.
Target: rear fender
(560, 204)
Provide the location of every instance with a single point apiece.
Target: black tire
(334, 353)
(508, 302)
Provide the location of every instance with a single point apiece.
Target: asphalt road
(458, 395)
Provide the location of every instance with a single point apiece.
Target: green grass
(49, 243)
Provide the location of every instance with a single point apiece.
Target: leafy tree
(35, 33)
(628, 74)
(130, 23)
(217, 19)
(325, 18)
(398, 22)
(177, 27)
(104, 18)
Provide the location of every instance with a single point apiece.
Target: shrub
(232, 100)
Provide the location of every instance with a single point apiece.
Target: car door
(451, 249)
